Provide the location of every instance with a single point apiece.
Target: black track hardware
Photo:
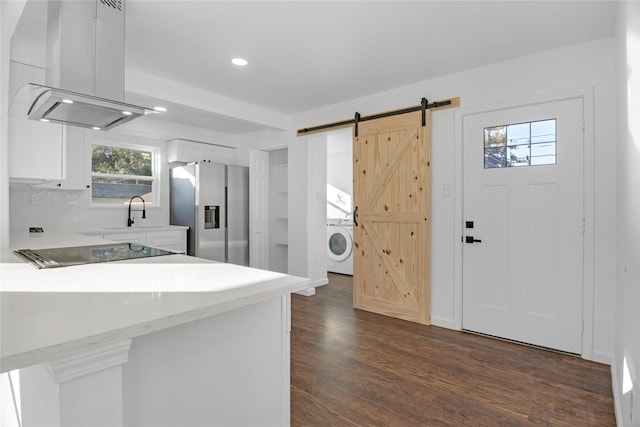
(424, 105)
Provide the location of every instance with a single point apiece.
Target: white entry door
(523, 224)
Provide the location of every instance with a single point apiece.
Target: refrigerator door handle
(226, 207)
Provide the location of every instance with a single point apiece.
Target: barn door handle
(470, 239)
(355, 216)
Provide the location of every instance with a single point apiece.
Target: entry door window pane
(519, 134)
(519, 156)
(520, 144)
(495, 147)
(544, 131)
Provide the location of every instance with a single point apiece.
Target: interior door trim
(586, 94)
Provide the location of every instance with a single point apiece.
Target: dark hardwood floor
(354, 368)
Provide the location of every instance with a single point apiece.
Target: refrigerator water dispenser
(211, 217)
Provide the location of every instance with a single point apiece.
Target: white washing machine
(340, 248)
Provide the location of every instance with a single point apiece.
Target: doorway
(523, 223)
(339, 243)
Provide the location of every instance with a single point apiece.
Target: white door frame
(586, 94)
(259, 209)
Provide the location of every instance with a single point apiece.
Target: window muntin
(121, 171)
(520, 144)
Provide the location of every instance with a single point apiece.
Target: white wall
(307, 198)
(316, 207)
(55, 213)
(340, 160)
(585, 65)
(626, 385)
(339, 165)
(9, 16)
(5, 41)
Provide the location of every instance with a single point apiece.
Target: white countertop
(51, 313)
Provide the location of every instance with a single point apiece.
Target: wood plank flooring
(354, 368)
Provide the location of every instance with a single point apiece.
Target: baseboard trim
(320, 282)
(443, 323)
(309, 292)
(601, 357)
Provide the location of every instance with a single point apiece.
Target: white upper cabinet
(73, 164)
(182, 150)
(35, 149)
(49, 155)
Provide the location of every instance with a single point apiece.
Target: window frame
(154, 178)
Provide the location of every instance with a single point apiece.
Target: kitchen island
(169, 340)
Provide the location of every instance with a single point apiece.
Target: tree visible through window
(520, 144)
(118, 174)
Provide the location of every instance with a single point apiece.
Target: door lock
(470, 239)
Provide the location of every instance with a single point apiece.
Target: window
(120, 172)
(520, 144)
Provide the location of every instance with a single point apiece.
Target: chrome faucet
(144, 216)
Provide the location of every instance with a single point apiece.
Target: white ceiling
(307, 54)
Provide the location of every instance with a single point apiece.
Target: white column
(84, 389)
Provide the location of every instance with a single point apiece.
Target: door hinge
(584, 226)
(583, 124)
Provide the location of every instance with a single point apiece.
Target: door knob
(470, 239)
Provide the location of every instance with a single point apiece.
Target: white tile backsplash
(70, 210)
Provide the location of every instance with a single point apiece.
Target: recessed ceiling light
(95, 128)
(127, 113)
(67, 101)
(239, 61)
(159, 109)
(44, 120)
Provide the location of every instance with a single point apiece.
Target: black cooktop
(77, 255)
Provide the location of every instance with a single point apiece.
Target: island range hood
(85, 67)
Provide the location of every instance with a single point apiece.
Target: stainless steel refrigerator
(213, 201)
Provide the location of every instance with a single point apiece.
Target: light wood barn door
(392, 179)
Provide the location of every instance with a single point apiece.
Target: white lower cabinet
(171, 240)
(138, 238)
